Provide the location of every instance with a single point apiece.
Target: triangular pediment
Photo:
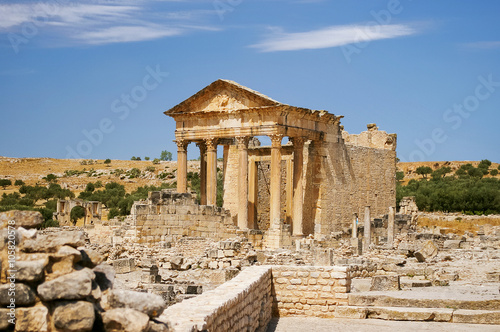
(222, 95)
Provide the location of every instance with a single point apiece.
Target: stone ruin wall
(342, 175)
(167, 215)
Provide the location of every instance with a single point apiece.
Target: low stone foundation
(247, 302)
(242, 304)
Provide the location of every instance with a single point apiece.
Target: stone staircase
(438, 304)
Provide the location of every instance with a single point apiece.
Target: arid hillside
(74, 174)
(409, 168)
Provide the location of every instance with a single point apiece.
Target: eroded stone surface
(74, 316)
(72, 286)
(124, 320)
(150, 304)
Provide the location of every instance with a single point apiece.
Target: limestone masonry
(316, 184)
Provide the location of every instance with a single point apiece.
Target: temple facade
(314, 178)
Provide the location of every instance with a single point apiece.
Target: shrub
(150, 169)
(5, 182)
(400, 176)
(494, 172)
(146, 158)
(156, 161)
(107, 161)
(485, 163)
(113, 212)
(134, 173)
(50, 178)
(19, 183)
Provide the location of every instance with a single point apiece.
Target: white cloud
(102, 21)
(332, 36)
(122, 34)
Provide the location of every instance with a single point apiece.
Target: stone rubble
(61, 285)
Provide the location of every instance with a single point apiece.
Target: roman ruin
(308, 229)
(313, 184)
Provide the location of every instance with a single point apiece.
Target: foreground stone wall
(247, 302)
(53, 282)
(242, 304)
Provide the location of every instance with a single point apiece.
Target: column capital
(211, 143)
(298, 142)
(276, 140)
(242, 141)
(181, 144)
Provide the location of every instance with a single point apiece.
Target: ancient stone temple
(315, 183)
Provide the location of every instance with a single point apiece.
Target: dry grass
(458, 226)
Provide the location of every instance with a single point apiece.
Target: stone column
(275, 187)
(354, 226)
(252, 194)
(242, 143)
(289, 192)
(211, 171)
(181, 165)
(203, 173)
(298, 178)
(367, 229)
(390, 226)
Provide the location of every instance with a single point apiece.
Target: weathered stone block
(125, 319)
(52, 241)
(148, 303)
(385, 283)
(25, 219)
(72, 286)
(30, 270)
(33, 319)
(428, 251)
(74, 316)
(24, 295)
(476, 317)
(350, 312)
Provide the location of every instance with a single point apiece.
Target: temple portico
(312, 184)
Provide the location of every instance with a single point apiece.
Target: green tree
(494, 172)
(476, 172)
(146, 158)
(107, 161)
(424, 171)
(400, 176)
(5, 182)
(113, 212)
(156, 161)
(90, 187)
(441, 173)
(50, 178)
(166, 155)
(76, 213)
(485, 163)
(19, 183)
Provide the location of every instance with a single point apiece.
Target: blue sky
(93, 78)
